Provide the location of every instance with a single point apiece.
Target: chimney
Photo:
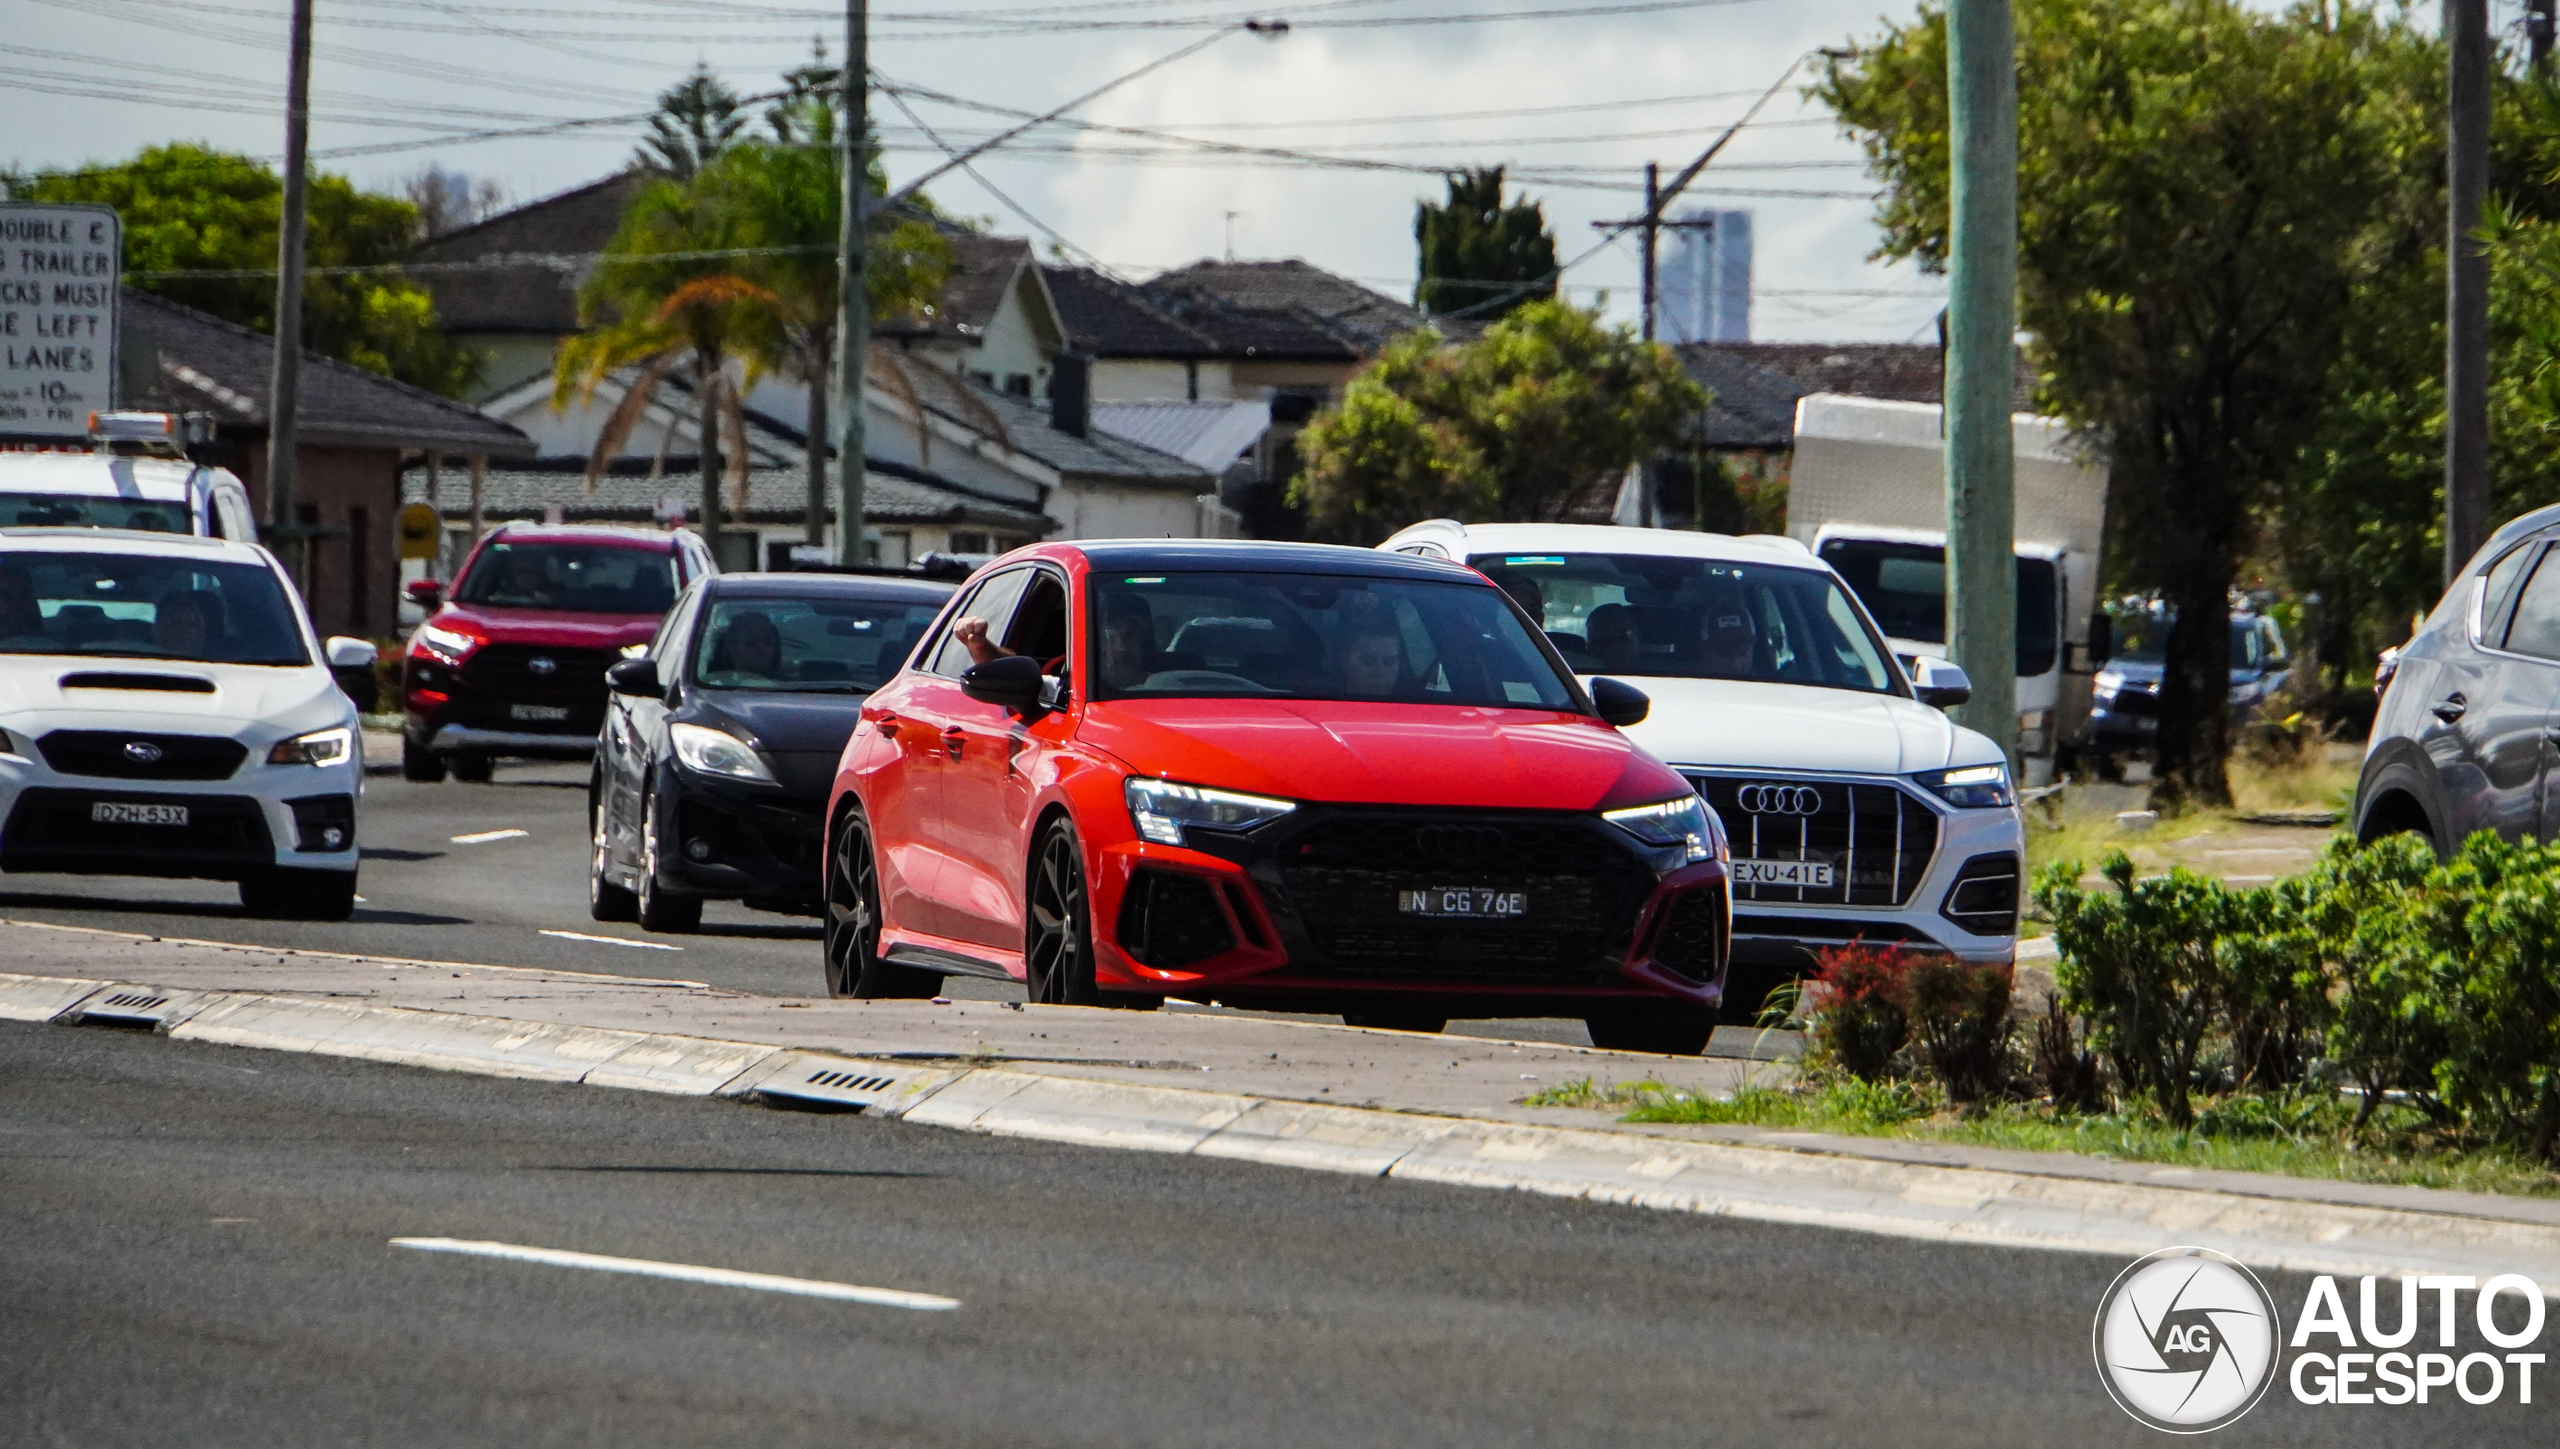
(1071, 393)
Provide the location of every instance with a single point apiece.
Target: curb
(1966, 1205)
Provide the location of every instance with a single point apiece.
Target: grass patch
(2276, 780)
(2303, 1135)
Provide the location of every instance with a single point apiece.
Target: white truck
(1868, 496)
(132, 473)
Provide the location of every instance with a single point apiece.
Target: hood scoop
(164, 683)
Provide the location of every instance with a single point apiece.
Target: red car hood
(556, 627)
(1385, 754)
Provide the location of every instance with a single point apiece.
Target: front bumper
(259, 818)
(737, 840)
(1306, 914)
(462, 739)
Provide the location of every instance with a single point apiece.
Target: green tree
(1534, 416)
(192, 209)
(1479, 253)
(2200, 187)
(697, 118)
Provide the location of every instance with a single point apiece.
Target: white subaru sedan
(166, 711)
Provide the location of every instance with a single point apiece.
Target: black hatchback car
(2464, 740)
(720, 744)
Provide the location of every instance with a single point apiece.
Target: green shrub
(1852, 1019)
(2486, 934)
(2354, 913)
(1959, 1011)
(2140, 966)
(1864, 1006)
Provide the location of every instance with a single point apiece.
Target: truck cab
(1867, 494)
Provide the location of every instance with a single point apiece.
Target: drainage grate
(848, 1082)
(135, 1001)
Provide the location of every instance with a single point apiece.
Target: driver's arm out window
(991, 601)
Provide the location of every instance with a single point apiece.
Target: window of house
(967, 542)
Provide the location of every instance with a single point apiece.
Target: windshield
(74, 510)
(1904, 586)
(1694, 618)
(830, 645)
(1316, 636)
(581, 578)
(138, 607)
(2144, 639)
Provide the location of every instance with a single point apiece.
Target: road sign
(420, 531)
(58, 269)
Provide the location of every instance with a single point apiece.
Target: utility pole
(284, 388)
(1646, 285)
(1981, 372)
(2541, 19)
(853, 282)
(2466, 332)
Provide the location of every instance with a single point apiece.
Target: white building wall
(1140, 380)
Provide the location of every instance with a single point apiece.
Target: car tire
(473, 768)
(853, 922)
(1413, 1021)
(286, 894)
(656, 908)
(1057, 956)
(419, 764)
(605, 900)
(1664, 1030)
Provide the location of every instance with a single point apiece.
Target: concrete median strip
(2074, 1206)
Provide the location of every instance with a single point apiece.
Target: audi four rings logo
(1779, 799)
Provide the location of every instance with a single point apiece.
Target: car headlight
(1683, 822)
(320, 747)
(1969, 787)
(450, 645)
(1162, 809)
(717, 752)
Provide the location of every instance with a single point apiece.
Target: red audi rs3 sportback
(1284, 777)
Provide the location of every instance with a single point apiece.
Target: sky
(1575, 98)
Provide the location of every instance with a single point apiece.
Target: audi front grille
(1877, 839)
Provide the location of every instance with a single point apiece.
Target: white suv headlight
(1161, 808)
(1970, 787)
(1682, 822)
(717, 752)
(320, 747)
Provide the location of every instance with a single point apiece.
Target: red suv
(1281, 776)
(514, 662)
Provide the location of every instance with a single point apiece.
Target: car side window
(668, 648)
(992, 601)
(2498, 589)
(1039, 626)
(2535, 629)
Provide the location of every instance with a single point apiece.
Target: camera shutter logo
(1779, 799)
(2186, 1340)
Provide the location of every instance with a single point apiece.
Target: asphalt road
(199, 1252)
(430, 896)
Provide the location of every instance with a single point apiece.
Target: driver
(1373, 658)
(1128, 642)
(186, 625)
(1726, 640)
(753, 646)
(1611, 631)
(525, 580)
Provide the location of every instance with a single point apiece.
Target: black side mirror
(2102, 638)
(1620, 703)
(636, 677)
(1013, 681)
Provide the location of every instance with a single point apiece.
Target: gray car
(2124, 702)
(2464, 740)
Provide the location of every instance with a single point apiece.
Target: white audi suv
(166, 711)
(1858, 811)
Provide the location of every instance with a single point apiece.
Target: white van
(154, 489)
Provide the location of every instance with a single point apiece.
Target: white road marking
(612, 941)
(685, 1272)
(485, 836)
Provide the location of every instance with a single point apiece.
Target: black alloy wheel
(605, 900)
(1058, 956)
(1397, 1021)
(419, 764)
(1665, 1028)
(853, 963)
(473, 768)
(659, 909)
